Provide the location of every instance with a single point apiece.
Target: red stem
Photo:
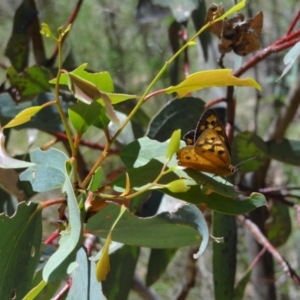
(261, 55)
(62, 137)
(293, 23)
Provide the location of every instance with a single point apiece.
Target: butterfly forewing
(210, 120)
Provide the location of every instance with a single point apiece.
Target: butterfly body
(207, 147)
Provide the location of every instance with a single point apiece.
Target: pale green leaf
(211, 78)
(24, 116)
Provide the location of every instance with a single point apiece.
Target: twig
(62, 136)
(261, 239)
(70, 21)
(189, 277)
(63, 291)
(293, 23)
(261, 55)
(141, 289)
(52, 237)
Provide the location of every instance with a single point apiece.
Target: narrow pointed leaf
(103, 266)
(174, 144)
(207, 79)
(290, 58)
(23, 116)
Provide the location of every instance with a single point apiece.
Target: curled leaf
(8, 162)
(46, 30)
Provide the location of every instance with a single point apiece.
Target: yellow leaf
(103, 266)
(192, 43)
(178, 186)
(23, 117)
(233, 10)
(207, 79)
(46, 30)
(174, 143)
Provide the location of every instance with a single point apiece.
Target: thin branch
(141, 289)
(62, 136)
(262, 240)
(70, 21)
(293, 23)
(189, 278)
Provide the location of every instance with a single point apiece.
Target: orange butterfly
(208, 148)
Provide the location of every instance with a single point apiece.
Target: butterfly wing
(248, 35)
(211, 146)
(189, 137)
(210, 120)
(209, 154)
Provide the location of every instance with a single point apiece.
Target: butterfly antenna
(245, 161)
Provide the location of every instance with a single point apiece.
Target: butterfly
(237, 34)
(207, 149)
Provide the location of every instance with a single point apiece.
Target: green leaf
(179, 113)
(102, 120)
(101, 80)
(31, 81)
(224, 255)
(284, 150)
(48, 173)
(165, 230)
(177, 186)
(248, 145)
(84, 282)
(47, 119)
(83, 115)
(46, 30)
(96, 179)
(140, 152)
(24, 116)
(60, 263)
(157, 264)
(174, 144)
(7, 162)
(123, 264)
(118, 98)
(240, 287)
(279, 225)
(20, 244)
(17, 49)
(290, 58)
(207, 79)
(33, 293)
(82, 89)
